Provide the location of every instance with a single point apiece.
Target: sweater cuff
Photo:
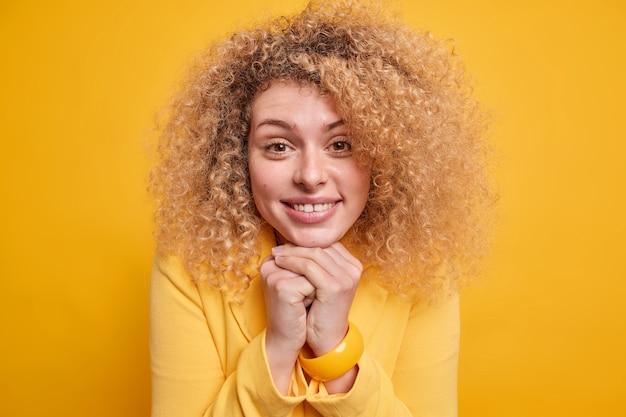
(355, 402)
(254, 382)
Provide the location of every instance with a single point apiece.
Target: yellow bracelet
(338, 361)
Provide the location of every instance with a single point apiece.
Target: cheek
(261, 187)
(254, 174)
(254, 183)
(362, 183)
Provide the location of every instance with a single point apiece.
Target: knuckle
(309, 266)
(281, 286)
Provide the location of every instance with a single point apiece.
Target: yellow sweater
(208, 358)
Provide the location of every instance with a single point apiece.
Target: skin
(309, 186)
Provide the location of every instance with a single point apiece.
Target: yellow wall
(543, 330)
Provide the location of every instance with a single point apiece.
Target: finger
(270, 267)
(320, 265)
(337, 250)
(306, 260)
(318, 272)
(285, 286)
(330, 290)
(346, 255)
(349, 265)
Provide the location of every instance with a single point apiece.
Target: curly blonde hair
(407, 102)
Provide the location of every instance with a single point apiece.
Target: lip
(311, 217)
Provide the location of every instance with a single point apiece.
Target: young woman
(321, 191)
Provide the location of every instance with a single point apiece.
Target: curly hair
(407, 101)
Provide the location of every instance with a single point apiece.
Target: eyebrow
(283, 124)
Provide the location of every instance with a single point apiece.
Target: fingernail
(277, 249)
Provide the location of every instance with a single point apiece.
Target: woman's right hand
(287, 296)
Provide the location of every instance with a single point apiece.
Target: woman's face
(305, 180)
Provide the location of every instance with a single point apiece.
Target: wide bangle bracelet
(338, 361)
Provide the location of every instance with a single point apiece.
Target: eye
(277, 149)
(341, 146)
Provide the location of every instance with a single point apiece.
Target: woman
(321, 191)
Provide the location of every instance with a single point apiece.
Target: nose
(311, 170)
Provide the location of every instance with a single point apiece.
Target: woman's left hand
(335, 274)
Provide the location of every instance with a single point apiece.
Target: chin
(315, 240)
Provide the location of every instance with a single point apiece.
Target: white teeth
(308, 208)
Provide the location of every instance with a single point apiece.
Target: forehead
(289, 98)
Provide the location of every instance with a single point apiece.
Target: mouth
(310, 208)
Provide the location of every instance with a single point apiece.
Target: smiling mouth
(310, 208)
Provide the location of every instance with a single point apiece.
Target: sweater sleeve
(188, 378)
(424, 382)
(425, 376)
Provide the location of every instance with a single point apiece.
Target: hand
(287, 296)
(334, 273)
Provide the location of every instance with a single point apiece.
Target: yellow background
(80, 82)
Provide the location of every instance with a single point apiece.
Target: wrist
(281, 351)
(337, 361)
(343, 383)
(281, 362)
(324, 345)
